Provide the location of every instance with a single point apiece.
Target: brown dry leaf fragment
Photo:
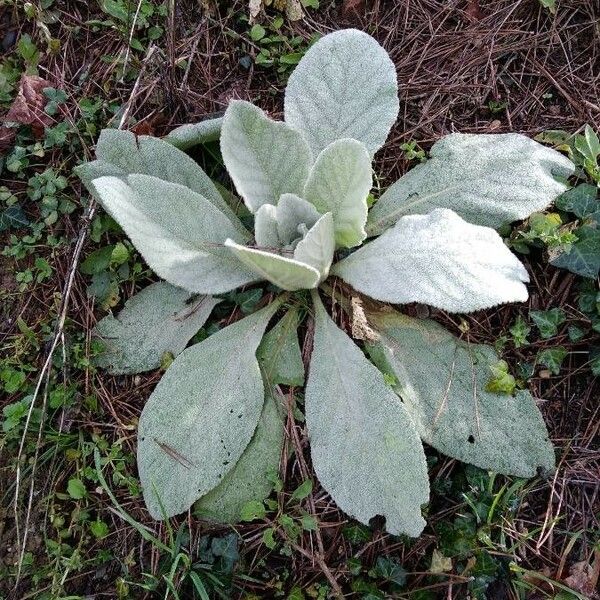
(254, 7)
(582, 579)
(27, 109)
(293, 10)
(361, 330)
(352, 7)
(440, 563)
(473, 10)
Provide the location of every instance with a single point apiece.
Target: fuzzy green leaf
(264, 158)
(316, 248)
(192, 134)
(249, 481)
(339, 182)
(201, 416)
(440, 260)
(161, 318)
(287, 273)
(178, 232)
(345, 86)
(294, 212)
(487, 179)
(442, 381)
(365, 450)
(122, 153)
(265, 227)
(279, 353)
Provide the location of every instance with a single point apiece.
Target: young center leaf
(339, 182)
(265, 158)
(292, 212)
(161, 318)
(487, 179)
(365, 449)
(251, 478)
(316, 248)
(440, 260)
(122, 153)
(345, 86)
(286, 273)
(442, 381)
(179, 233)
(201, 416)
(265, 227)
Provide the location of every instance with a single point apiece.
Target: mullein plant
(211, 433)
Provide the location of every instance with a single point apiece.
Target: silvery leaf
(251, 478)
(161, 318)
(317, 246)
(364, 447)
(440, 260)
(279, 353)
(264, 158)
(293, 211)
(487, 179)
(191, 134)
(128, 154)
(265, 227)
(345, 86)
(443, 380)
(339, 182)
(179, 233)
(287, 273)
(201, 416)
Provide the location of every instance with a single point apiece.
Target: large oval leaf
(201, 416)
(345, 86)
(161, 318)
(287, 273)
(443, 380)
(365, 449)
(179, 233)
(440, 260)
(121, 153)
(339, 182)
(252, 477)
(487, 179)
(264, 158)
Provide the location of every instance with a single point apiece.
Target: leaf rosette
(212, 430)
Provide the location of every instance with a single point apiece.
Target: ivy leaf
(344, 87)
(548, 321)
(583, 258)
(488, 180)
(440, 260)
(264, 158)
(201, 416)
(360, 433)
(179, 233)
(248, 483)
(339, 182)
(161, 318)
(442, 381)
(279, 353)
(193, 134)
(501, 381)
(580, 200)
(13, 217)
(552, 358)
(303, 490)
